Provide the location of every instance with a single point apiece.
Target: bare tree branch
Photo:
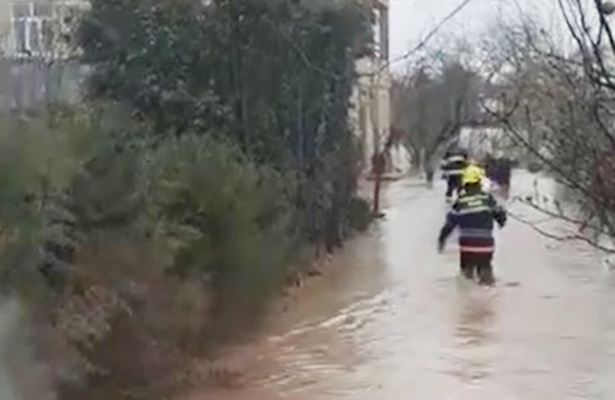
(563, 238)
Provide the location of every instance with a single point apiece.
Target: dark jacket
(474, 213)
(499, 170)
(454, 162)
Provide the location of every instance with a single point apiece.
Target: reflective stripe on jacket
(453, 164)
(474, 213)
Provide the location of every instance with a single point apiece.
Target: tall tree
(209, 66)
(431, 105)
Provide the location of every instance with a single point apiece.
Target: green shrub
(84, 215)
(35, 161)
(232, 217)
(359, 214)
(200, 180)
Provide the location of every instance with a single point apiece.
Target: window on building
(47, 34)
(377, 33)
(384, 33)
(42, 10)
(21, 10)
(32, 28)
(381, 32)
(20, 35)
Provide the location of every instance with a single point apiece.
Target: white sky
(410, 20)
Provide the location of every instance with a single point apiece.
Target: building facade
(371, 114)
(35, 62)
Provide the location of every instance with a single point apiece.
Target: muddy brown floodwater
(392, 320)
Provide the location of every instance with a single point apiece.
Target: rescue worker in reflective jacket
(455, 161)
(474, 213)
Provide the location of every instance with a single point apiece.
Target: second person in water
(453, 165)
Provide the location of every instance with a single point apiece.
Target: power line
(433, 32)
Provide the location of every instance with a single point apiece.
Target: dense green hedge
(213, 146)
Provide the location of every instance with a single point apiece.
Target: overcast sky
(410, 20)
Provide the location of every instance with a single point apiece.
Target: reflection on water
(393, 321)
(473, 333)
(476, 318)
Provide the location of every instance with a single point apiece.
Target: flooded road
(392, 319)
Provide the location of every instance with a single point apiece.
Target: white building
(34, 28)
(371, 113)
(35, 63)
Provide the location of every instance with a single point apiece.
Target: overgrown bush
(165, 212)
(123, 241)
(233, 218)
(359, 214)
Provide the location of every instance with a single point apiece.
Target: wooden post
(378, 168)
(378, 165)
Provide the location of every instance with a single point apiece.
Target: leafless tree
(558, 101)
(430, 105)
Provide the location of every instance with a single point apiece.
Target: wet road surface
(392, 319)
